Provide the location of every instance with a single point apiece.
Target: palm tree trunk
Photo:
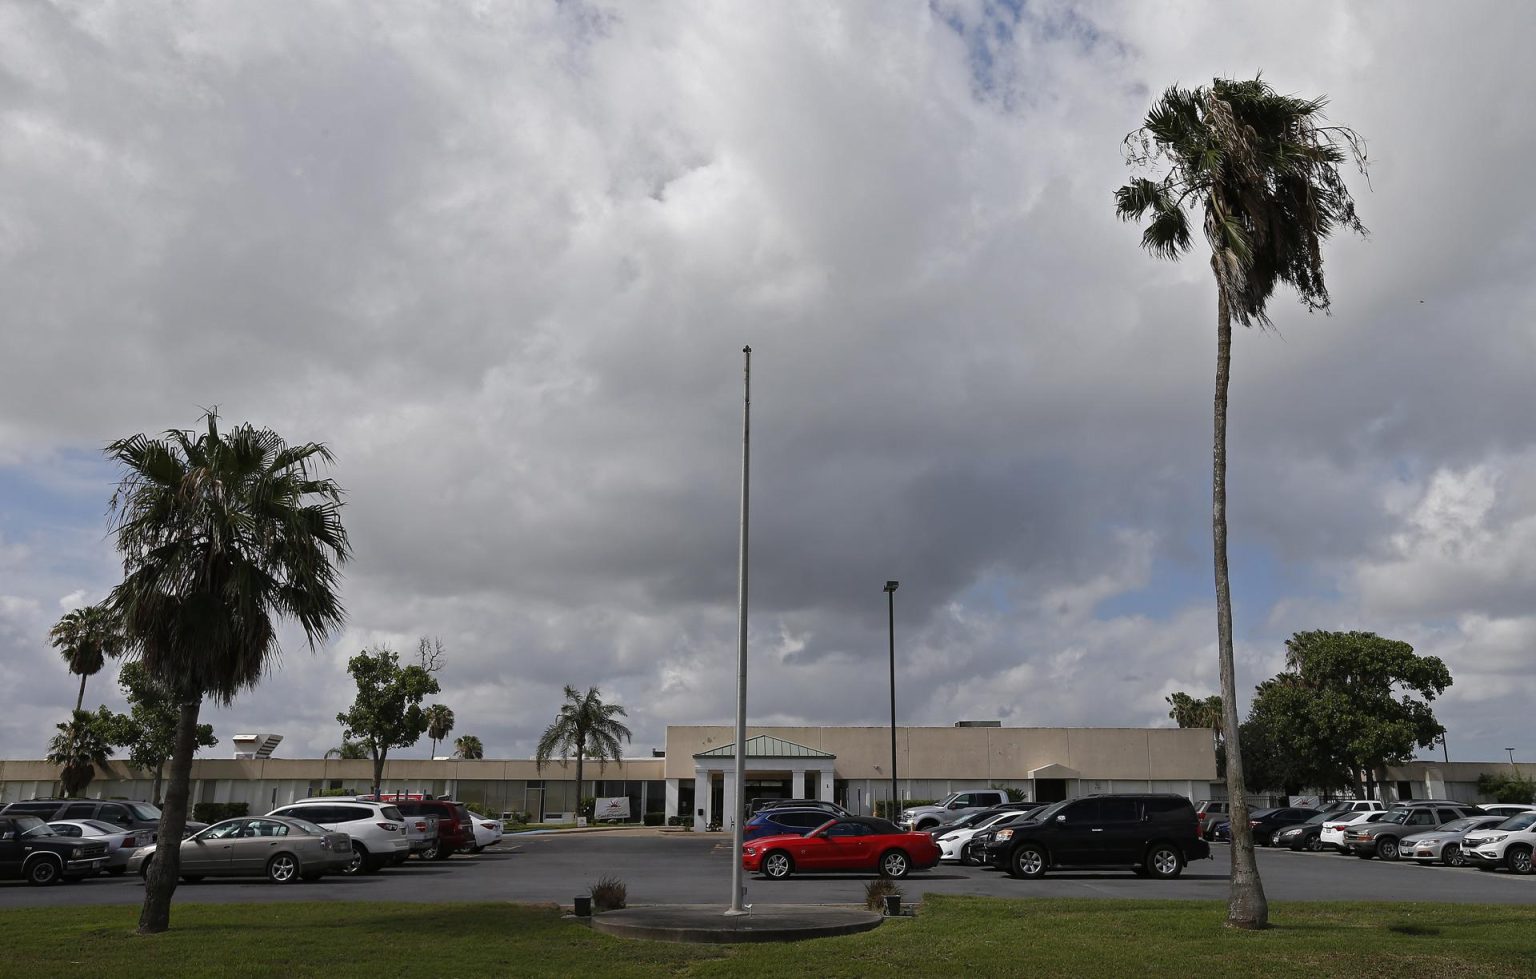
(580, 753)
(165, 869)
(81, 698)
(434, 749)
(378, 770)
(159, 779)
(1247, 906)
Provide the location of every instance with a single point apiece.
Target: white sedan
(952, 841)
(487, 831)
(1333, 828)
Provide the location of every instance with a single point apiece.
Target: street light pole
(1511, 755)
(890, 606)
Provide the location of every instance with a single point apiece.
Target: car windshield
(1050, 810)
(1396, 816)
(1522, 821)
(1320, 817)
(144, 811)
(1457, 825)
(971, 819)
(31, 826)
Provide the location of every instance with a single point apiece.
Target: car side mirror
(1061, 819)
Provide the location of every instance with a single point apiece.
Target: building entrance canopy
(764, 755)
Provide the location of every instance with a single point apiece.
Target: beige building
(693, 778)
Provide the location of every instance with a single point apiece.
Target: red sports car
(842, 843)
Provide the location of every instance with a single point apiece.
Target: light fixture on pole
(890, 606)
(1511, 755)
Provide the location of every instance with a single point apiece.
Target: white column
(797, 782)
(701, 796)
(826, 785)
(729, 804)
(671, 795)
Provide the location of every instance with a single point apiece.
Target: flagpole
(738, 888)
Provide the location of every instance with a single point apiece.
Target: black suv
(1151, 833)
(30, 850)
(119, 812)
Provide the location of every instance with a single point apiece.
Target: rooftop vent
(256, 745)
(978, 724)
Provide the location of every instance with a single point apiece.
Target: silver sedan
(280, 848)
(1443, 843)
(120, 842)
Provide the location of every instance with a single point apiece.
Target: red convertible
(844, 843)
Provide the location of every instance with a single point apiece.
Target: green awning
(764, 746)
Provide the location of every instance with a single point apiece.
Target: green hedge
(655, 818)
(212, 812)
(882, 805)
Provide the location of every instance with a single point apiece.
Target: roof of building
(764, 746)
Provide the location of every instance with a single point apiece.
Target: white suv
(1508, 844)
(377, 829)
(1335, 823)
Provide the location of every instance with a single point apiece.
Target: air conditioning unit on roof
(256, 745)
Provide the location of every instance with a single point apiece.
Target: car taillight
(129, 841)
(489, 825)
(1253, 823)
(388, 827)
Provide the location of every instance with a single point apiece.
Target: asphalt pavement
(695, 868)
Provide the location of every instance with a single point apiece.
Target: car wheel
(1519, 859)
(360, 863)
(442, 853)
(1164, 862)
(43, 872)
(1386, 848)
(1315, 844)
(778, 865)
(1027, 861)
(894, 864)
(430, 853)
(144, 867)
(1453, 856)
(283, 869)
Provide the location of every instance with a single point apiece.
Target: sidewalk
(708, 923)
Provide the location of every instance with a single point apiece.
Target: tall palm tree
(586, 728)
(83, 745)
(1264, 172)
(347, 751)
(221, 535)
(469, 747)
(439, 725)
(86, 637)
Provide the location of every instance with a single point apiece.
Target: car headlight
(1003, 834)
(76, 853)
(1500, 838)
(1428, 839)
(748, 851)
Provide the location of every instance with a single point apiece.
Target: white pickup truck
(951, 807)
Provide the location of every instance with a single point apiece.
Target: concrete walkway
(709, 923)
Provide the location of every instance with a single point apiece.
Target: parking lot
(687, 868)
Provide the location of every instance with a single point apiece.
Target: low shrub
(212, 812)
(876, 891)
(884, 810)
(655, 818)
(608, 894)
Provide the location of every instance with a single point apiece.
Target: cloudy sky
(503, 258)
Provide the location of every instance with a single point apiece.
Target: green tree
(1264, 173)
(1352, 693)
(222, 534)
(86, 637)
(83, 745)
(585, 728)
(387, 712)
(468, 747)
(439, 725)
(1187, 711)
(348, 751)
(1283, 750)
(1510, 787)
(148, 730)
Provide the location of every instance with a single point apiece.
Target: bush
(655, 818)
(588, 804)
(608, 894)
(212, 812)
(680, 821)
(876, 890)
(883, 805)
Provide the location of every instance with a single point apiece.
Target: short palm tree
(347, 751)
(86, 637)
(222, 533)
(585, 728)
(469, 747)
(439, 725)
(83, 745)
(1264, 172)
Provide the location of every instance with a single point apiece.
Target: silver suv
(951, 807)
(377, 829)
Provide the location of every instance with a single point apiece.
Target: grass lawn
(952, 936)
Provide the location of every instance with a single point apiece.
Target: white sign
(614, 808)
(1306, 802)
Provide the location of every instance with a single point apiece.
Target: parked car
(281, 849)
(1265, 823)
(120, 842)
(1508, 844)
(1151, 833)
(758, 805)
(455, 828)
(1337, 822)
(970, 848)
(1211, 810)
(120, 812)
(951, 807)
(1444, 843)
(1383, 838)
(377, 829)
(487, 831)
(784, 822)
(1506, 809)
(952, 838)
(30, 851)
(1355, 805)
(844, 843)
(1304, 836)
